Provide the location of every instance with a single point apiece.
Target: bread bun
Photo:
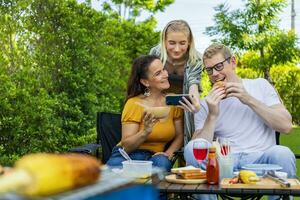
(219, 84)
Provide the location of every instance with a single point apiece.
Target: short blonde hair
(179, 26)
(216, 48)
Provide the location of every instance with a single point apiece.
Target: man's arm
(213, 101)
(275, 116)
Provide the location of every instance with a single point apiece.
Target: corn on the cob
(44, 174)
(248, 176)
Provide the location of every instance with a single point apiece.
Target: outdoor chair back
(108, 133)
(108, 128)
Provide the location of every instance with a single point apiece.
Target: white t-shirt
(239, 123)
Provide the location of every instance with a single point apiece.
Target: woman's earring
(147, 92)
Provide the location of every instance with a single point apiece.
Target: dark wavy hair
(139, 71)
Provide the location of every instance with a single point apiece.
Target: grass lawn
(293, 142)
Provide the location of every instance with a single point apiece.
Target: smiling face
(177, 44)
(157, 77)
(227, 74)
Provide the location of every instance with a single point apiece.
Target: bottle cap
(212, 149)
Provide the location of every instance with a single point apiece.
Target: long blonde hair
(179, 26)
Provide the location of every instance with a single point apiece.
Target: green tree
(60, 63)
(255, 29)
(130, 9)
(26, 114)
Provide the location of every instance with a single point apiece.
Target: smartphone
(173, 99)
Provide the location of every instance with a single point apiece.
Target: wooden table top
(203, 188)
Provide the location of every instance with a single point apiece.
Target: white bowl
(137, 168)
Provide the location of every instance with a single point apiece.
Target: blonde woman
(183, 63)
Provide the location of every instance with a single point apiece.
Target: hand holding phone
(173, 99)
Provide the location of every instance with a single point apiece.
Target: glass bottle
(212, 167)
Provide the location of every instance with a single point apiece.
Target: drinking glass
(226, 166)
(200, 149)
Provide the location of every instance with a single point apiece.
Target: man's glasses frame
(218, 67)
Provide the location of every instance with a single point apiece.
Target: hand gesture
(192, 106)
(149, 121)
(213, 99)
(236, 89)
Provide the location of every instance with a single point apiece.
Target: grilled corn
(44, 174)
(248, 177)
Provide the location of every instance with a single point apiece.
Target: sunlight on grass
(293, 142)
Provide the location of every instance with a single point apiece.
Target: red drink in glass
(200, 153)
(200, 149)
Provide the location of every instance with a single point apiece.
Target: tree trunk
(266, 69)
(267, 75)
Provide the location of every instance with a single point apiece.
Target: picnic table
(185, 191)
(114, 186)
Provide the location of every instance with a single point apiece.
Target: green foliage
(250, 59)
(287, 83)
(206, 84)
(282, 48)
(249, 27)
(130, 9)
(255, 29)
(60, 63)
(248, 73)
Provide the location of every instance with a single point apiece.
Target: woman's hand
(164, 153)
(192, 106)
(149, 121)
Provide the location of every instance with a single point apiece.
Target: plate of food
(261, 169)
(187, 175)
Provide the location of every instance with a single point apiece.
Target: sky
(199, 14)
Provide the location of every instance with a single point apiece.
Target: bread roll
(219, 84)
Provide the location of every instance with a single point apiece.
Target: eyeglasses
(218, 67)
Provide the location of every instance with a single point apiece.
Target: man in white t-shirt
(245, 111)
